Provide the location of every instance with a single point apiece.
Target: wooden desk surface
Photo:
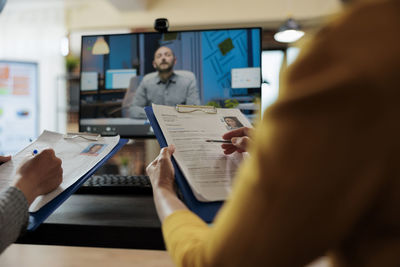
(112, 221)
(18, 255)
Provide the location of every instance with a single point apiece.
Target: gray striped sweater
(13, 216)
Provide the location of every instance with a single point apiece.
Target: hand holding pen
(39, 175)
(238, 140)
(219, 141)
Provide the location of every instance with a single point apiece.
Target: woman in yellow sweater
(324, 174)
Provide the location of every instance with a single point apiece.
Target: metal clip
(192, 108)
(87, 136)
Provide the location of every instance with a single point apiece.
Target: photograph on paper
(232, 122)
(93, 149)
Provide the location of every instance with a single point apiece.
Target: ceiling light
(100, 47)
(289, 32)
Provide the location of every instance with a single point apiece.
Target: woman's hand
(162, 175)
(4, 159)
(240, 139)
(39, 175)
(161, 170)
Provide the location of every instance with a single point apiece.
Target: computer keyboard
(116, 184)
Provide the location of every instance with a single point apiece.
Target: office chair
(128, 98)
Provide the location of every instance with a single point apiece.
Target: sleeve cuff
(181, 224)
(13, 215)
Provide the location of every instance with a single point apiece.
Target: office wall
(32, 31)
(91, 14)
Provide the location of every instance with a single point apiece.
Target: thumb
(167, 152)
(171, 149)
(240, 142)
(4, 159)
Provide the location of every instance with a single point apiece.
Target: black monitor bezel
(152, 32)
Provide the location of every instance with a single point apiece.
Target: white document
(89, 81)
(246, 78)
(208, 171)
(78, 156)
(120, 78)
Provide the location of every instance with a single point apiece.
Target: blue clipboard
(205, 210)
(37, 217)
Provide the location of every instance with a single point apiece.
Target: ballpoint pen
(219, 141)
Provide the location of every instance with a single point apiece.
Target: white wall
(90, 14)
(271, 65)
(32, 31)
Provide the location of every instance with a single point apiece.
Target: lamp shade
(100, 47)
(289, 32)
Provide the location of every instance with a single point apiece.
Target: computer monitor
(18, 105)
(226, 64)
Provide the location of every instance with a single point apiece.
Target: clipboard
(36, 218)
(205, 210)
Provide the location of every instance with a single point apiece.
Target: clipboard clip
(87, 136)
(192, 108)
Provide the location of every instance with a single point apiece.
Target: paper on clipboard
(78, 155)
(207, 169)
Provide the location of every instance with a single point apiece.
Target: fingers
(48, 157)
(165, 155)
(240, 140)
(168, 150)
(229, 150)
(40, 175)
(171, 149)
(161, 170)
(243, 131)
(53, 177)
(47, 153)
(165, 152)
(239, 144)
(4, 159)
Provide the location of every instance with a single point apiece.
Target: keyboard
(116, 184)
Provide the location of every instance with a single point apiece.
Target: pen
(219, 141)
(34, 152)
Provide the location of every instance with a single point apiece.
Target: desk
(101, 109)
(116, 221)
(59, 256)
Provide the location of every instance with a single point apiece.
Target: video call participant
(165, 86)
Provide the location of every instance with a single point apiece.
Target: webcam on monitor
(161, 25)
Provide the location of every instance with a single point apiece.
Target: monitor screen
(18, 105)
(122, 73)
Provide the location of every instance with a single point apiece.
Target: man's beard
(164, 70)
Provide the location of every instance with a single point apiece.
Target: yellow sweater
(324, 176)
